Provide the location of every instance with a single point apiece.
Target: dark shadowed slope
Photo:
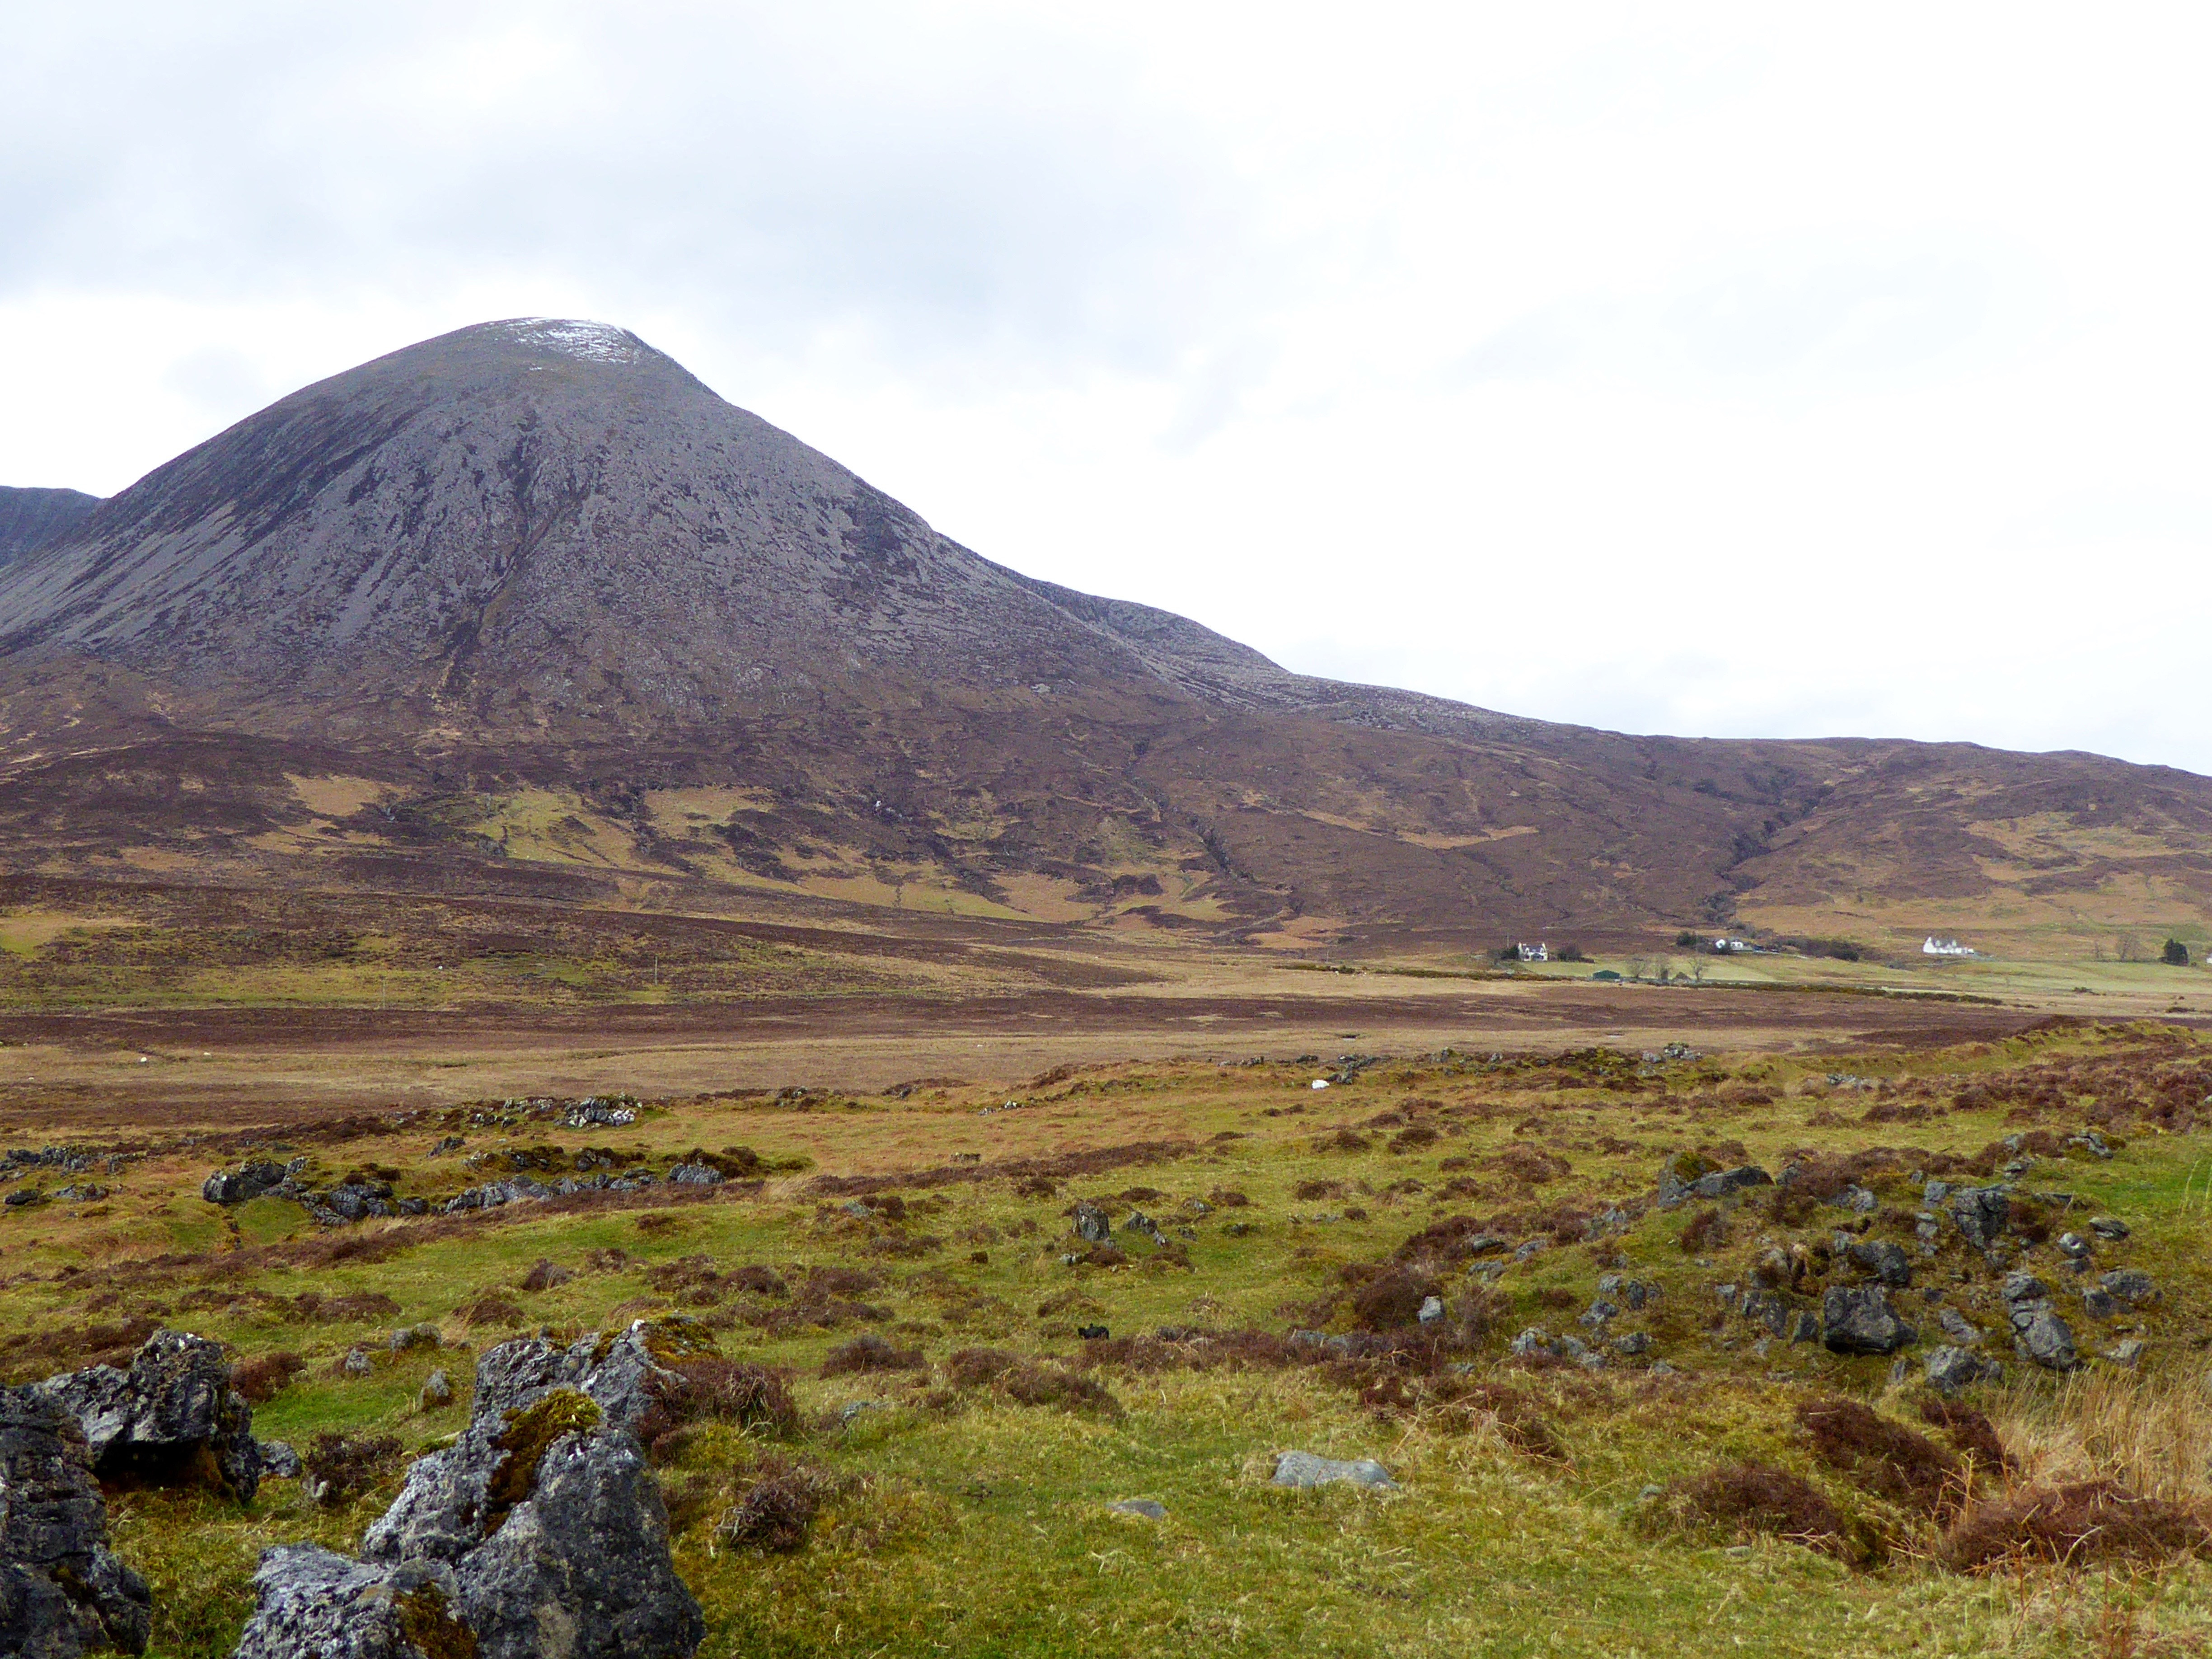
(547, 603)
(31, 518)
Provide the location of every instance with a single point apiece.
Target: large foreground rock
(540, 1532)
(62, 1592)
(171, 1419)
(310, 1600)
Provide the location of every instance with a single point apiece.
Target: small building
(1539, 952)
(1946, 947)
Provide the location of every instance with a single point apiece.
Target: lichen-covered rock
(62, 1592)
(1981, 1214)
(2130, 1285)
(1721, 1182)
(1093, 1225)
(1859, 1320)
(1885, 1261)
(1299, 1468)
(310, 1600)
(171, 1419)
(248, 1182)
(541, 1526)
(1951, 1369)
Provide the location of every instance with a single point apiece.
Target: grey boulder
(540, 1531)
(1885, 1261)
(1951, 1369)
(1299, 1468)
(173, 1418)
(63, 1591)
(2130, 1285)
(310, 1600)
(1859, 1320)
(1721, 1182)
(246, 1182)
(1982, 1214)
(1093, 1225)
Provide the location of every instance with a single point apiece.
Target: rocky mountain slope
(529, 601)
(32, 518)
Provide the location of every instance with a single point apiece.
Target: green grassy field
(954, 1517)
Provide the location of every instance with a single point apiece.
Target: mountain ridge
(538, 558)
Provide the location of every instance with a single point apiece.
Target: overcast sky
(1720, 371)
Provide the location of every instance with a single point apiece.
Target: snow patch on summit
(591, 343)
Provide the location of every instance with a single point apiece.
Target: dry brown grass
(2150, 1430)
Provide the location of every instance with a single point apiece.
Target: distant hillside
(528, 607)
(32, 518)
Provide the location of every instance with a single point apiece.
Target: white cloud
(1744, 371)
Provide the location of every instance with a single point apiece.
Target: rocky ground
(1605, 1351)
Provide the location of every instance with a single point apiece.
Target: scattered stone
(597, 1114)
(695, 1175)
(357, 1363)
(249, 1182)
(1634, 1343)
(2090, 1142)
(2037, 1332)
(2131, 1285)
(279, 1461)
(1299, 1468)
(1958, 1328)
(1535, 1341)
(2099, 1303)
(1885, 1261)
(437, 1392)
(1432, 1309)
(1144, 1227)
(63, 1591)
(1859, 1320)
(1631, 1293)
(2108, 1227)
(1770, 1308)
(1951, 1369)
(2076, 1248)
(1094, 1333)
(415, 1336)
(1721, 1182)
(1093, 1225)
(1145, 1507)
(853, 1410)
(1530, 1249)
(1935, 1193)
(1981, 1214)
(1857, 1200)
(171, 1419)
(2128, 1352)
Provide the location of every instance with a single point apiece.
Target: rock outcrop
(63, 1591)
(540, 1531)
(171, 1419)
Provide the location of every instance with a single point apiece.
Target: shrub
(1391, 1301)
(544, 1276)
(871, 1352)
(2175, 955)
(2077, 1524)
(1748, 1499)
(756, 1280)
(1968, 1430)
(775, 1514)
(338, 1469)
(491, 1310)
(1885, 1458)
(738, 1391)
(1706, 1232)
(265, 1376)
